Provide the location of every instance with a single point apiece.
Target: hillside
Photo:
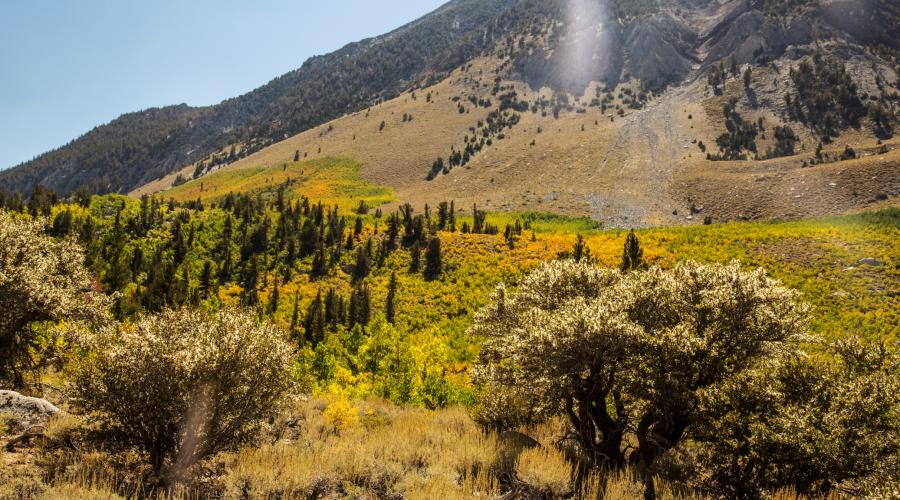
(643, 167)
(580, 108)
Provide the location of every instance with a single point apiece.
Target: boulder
(26, 411)
(869, 261)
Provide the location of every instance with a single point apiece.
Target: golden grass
(413, 452)
(546, 470)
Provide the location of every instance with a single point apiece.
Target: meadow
(386, 406)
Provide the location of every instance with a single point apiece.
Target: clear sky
(69, 65)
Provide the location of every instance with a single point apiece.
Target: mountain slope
(607, 109)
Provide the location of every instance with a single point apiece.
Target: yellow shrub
(341, 415)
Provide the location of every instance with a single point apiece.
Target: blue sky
(69, 65)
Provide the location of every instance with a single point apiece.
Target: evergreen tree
(360, 307)
(314, 322)
(273, 299)
(443, 216)
(206, 279)
(390, 305)
(137, 263)
(319, 263)
(581, 252)
(333, 308)
(249, 283)
(452, 220)
(415, 258)
(632, 255)
(227, 257)
(363, 265)
(433, 259)
(295, 318)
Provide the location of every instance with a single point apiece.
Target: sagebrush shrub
(185, 384)
(42, 282)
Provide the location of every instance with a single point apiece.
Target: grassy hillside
(333, 181)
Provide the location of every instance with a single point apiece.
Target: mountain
(139, 147)
(631, 112)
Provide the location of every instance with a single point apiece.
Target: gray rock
(26, 411)
(869, 261)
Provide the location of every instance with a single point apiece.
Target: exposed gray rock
(26, 411)
(869, 261)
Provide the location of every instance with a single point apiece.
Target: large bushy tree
(42, 282)
(627, 357)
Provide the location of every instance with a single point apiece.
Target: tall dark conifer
(632, 255)
(433, 260)
(390, 306)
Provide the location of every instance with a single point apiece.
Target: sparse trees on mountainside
(42, 282)
(627, 358)
(826, 98)
(184, 384)
(785, 142)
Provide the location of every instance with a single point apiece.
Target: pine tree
(443, 216)
(295, 318)
(632, 255)
(415, 258)
(206, 278)
(452, 216)
(273, 299)
(227, 258)
(319, 263)
(433, 259)
(297, 155)
(332, 309)
(249, 283)
(363, 265)
(581, 252)
(360, 307)
(390, 306)
(314, 323)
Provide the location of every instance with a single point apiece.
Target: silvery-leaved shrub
(43, 282)
(626, 357)
(182, 385)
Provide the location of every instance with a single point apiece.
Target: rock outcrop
(25, 411)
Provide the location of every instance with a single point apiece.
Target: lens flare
(586, 45)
